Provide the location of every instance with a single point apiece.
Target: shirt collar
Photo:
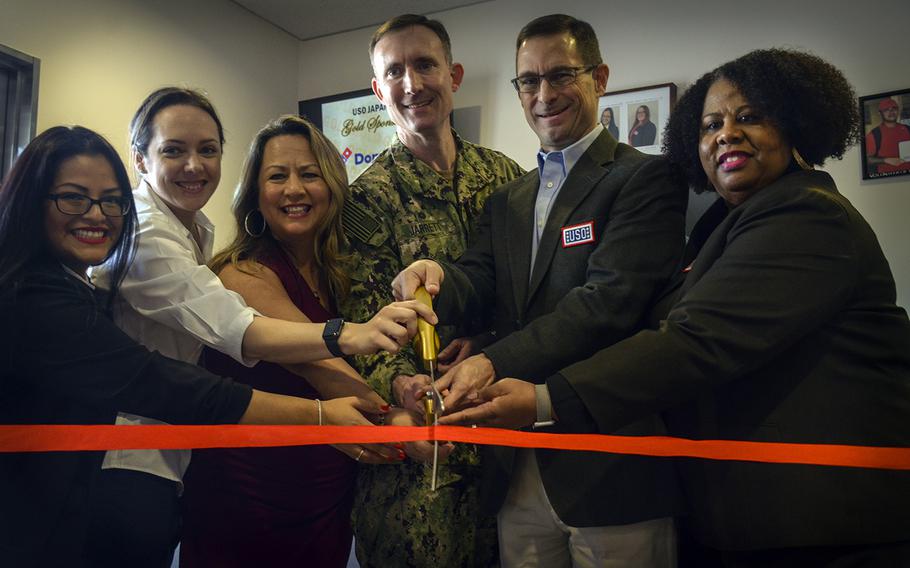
(81, 277)
(571, 154)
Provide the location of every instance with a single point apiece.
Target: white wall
(646, 42)
(100, 58)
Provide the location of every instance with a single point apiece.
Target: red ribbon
(54, 438)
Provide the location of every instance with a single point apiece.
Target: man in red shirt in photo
(883, 154)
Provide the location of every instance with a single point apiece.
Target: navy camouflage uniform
(402, 210)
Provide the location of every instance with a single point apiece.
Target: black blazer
(577, 300)
(785, 329)
(63, 361)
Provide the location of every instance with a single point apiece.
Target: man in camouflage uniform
(419, 199)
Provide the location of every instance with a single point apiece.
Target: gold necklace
(314, 289)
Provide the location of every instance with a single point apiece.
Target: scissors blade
(435, 463)
(436, 408)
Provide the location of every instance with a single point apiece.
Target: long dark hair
(22, 237)
(647, 110)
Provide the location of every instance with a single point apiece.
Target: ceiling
(308, 19)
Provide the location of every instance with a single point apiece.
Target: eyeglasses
(77, 204)
(557, 79)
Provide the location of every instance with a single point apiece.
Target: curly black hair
(807, 98)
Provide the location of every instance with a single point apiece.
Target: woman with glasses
(643, 132)
(173, 303)
(66, 206)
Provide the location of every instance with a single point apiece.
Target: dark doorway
(18, 103)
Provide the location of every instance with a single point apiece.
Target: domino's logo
(359, 158)
(580, 234)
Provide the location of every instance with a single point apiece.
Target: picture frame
(886, 134)
(356, 123)
(625, 106)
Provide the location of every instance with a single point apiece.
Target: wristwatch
(331, 333)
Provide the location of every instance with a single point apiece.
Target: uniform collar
(471, 173)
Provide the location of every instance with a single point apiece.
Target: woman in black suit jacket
(63, 361)
(609, 122)
(782, 326)
(643, 132)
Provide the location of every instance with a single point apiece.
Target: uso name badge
(580, 234)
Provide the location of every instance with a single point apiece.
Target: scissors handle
(426, 340)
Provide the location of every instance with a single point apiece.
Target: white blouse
(172, 303)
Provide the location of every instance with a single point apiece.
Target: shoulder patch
(359, 222)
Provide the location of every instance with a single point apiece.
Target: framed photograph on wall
(886, 134)
(356, 122)
(638, 116)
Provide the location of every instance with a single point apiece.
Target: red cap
(886, 104)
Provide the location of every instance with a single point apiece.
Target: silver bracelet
(319, 410)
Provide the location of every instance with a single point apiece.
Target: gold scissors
(426, 343)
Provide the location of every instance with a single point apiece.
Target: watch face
(333, 328)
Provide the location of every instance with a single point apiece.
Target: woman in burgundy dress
(280, 506)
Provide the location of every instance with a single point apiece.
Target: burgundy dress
(275, 507)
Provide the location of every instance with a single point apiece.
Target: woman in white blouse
(171, 302)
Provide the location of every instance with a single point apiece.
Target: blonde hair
(329, 241)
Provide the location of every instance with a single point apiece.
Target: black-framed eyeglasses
(557, 79)
(78, 204)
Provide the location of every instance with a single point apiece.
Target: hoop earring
(799, 160)
(246, 224)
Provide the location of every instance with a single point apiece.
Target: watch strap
(331, 333)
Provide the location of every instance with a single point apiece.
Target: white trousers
(532, 535)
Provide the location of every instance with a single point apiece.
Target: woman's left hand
(423, 450)
(348, 411)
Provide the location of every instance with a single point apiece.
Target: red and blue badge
(581, 234)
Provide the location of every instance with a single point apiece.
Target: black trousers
(135, 520)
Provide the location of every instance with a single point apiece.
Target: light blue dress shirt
(554, 168)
